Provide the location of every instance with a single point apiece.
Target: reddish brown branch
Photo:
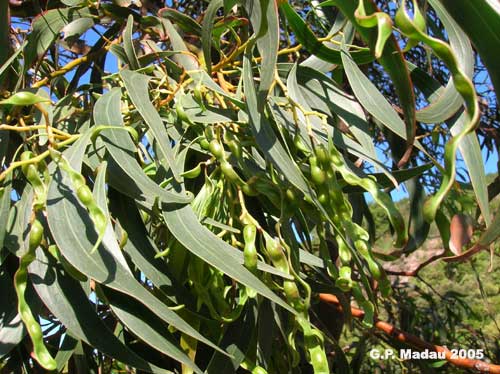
(414, 272)
(467, 254)
(415, 341)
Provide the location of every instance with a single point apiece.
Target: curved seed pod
(181, 114)
(276, 254)
(204, 143)
(216, 149)
(249, 190)
(344, 281)
(318, 175)
(259, 370)
(84, 196)
(314, 345)
(250, 250)
(325, 253)
(40, 352)
(380, 197)
(465, 88)
(230, 174)
(24, 98)
(25, 156)
(365, 304)
(30, 171)
(233, 144)
(299, 145)
(193, 173)
(250, 255)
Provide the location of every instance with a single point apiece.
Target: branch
(415, 341)
(414, 272)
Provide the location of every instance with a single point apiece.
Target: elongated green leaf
(206, 32)
(184, 225)
(372, 99)
(265, 136)
(264, 19)
(125, 170)
(393, 62)
(137, 88)
(46, 29)
(142, 250)
(339, 24)
(16, 237)
(471, 152)
(399, 175)
(209, 115)
(307, 38)
(5, 202)
(128, 44)
(185, 58)
(467, 91)
(147, 327)
(469, 147)
(480, 19)
(236, 341)
(66, 299)
(66, 350)
(186, 23)
(4, 68)
(321, 93)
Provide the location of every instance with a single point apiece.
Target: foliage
(184, 211)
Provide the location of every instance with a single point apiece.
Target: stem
(36, 159)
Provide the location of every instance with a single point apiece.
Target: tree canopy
(212, 186)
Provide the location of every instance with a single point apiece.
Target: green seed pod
(25, 156)
(235, 148)
(323, 196)
(249, 190)
(36, 235)
(259, 370)
(322, 155)
(181, 114)
(24, 98)
(276, 254)
(40, 352)
(291, 290)
(204, 144)
(250, 255)
(198, 95)
(291, 196)
(318, 359)
(344, 281)
(193, 173)
(85, 195)
(36, 182)
(230, 174)
(299, 144)
(318, 176)
(216, 149)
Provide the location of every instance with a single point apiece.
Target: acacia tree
(185, 188)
